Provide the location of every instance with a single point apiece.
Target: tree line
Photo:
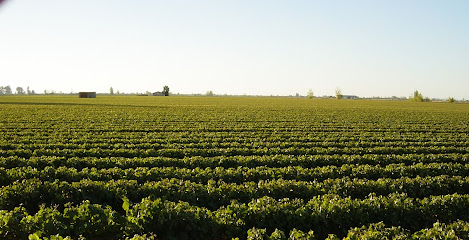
(6, 90)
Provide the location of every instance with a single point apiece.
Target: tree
(417, 97)
(111, 91)
(310, 93)
(19, 90)
(166, 90)
(209, 93)
(7, 90)
(451, 100)
(338, 93)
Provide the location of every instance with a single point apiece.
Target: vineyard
(131, 167)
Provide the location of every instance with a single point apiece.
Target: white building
(349, 97)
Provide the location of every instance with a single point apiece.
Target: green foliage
(277, 235)
(125, 167)
(310, 94)
(149, 236)
(332, 237)
(456, 230)
(338, 93)
(261, 234)
(451, 100)
(37, 236)
(166, 90)
(126, 204)
(300, 235)
(377, 231)
(418, 97)
(11, 223)
(256, 234)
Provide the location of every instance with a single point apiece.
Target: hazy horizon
(365, 48)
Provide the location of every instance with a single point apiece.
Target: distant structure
(87, 94)
(158, 94)
(349, 97)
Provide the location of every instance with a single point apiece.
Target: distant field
(119, 167)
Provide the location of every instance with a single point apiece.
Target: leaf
(35, 236)
(125, 204)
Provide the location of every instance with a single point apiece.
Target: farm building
(87, 94)
(158, 94)
(349, 97)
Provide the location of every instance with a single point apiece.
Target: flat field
(119, 167)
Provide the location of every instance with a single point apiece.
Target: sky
(265, 47)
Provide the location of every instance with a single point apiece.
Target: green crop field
(131, 167)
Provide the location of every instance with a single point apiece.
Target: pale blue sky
(366, 48)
